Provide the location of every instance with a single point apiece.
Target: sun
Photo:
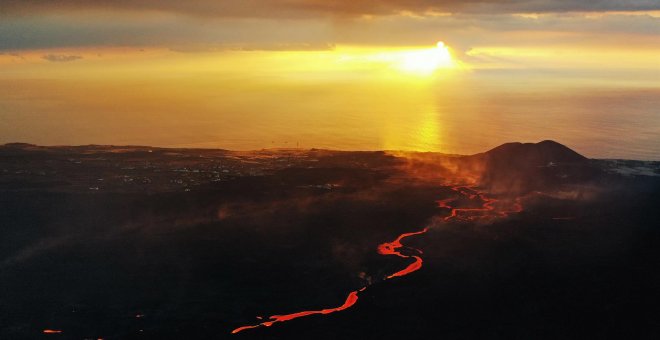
(426, 61)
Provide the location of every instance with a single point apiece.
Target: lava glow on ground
(397, 248)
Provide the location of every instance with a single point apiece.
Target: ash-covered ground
(138, 242)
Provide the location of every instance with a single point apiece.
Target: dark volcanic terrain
(525, 241)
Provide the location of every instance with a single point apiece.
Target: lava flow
(351, 299)
(388, 248)
(391, 249)
(394, 247)
(487, 208)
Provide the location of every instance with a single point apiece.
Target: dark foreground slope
(146, 243)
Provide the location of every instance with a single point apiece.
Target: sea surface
(599, 114)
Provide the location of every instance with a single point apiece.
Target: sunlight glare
(426, 61)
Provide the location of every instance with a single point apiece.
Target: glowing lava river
(486, 210)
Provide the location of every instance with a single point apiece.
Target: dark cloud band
(304, 8)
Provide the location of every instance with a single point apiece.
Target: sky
(336, 74)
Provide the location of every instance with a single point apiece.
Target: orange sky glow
(388, 77)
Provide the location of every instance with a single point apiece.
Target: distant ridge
(17, 145)
(540, 153)
(531, 166)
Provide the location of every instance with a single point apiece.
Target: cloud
(163, 30)
(305, 8)
(15, 55)
(204, 48)
(60, 58)
(305, 30)
(191, 34)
